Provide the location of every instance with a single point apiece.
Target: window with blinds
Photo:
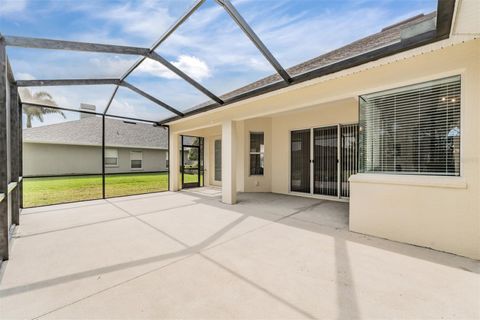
(412, 130)
(136, 160)
(111, 157)
(257, 153)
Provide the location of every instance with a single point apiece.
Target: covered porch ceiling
(158, 83)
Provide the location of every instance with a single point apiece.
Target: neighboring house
(75, 147)
(397, 136)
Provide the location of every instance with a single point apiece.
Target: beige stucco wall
(245, 182)
(442, 214)
(41, 159)
(153, 160)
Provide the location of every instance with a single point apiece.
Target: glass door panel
(300, 161)
(348, 161)
(325, 161)
(192, 162)
(191, 167)
(218, 160)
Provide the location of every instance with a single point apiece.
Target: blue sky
(209, 46)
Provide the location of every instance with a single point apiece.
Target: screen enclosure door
(192, 162)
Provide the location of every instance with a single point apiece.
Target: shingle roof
(386, 36)
(88, 131)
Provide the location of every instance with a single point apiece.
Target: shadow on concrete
(313, 215)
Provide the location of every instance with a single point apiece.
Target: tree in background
(193, 152)
(34, 112)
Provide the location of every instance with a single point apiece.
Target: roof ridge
(60, 123)
(397, 24)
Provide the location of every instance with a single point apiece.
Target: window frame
(418, 82)
(116, 165)
(136, 152)
(261, 153)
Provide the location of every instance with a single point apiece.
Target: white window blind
(412, 130)
(111, 157)
(136, 158)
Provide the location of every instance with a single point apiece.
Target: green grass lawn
(126, 184)
(45, 191)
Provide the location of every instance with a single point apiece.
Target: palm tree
(34, 112)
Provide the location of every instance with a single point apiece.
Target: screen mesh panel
(132, 105)
(158, 81)
(136, 158)
(62, 156)
(28, 64)
(213, 50)
(92, 98)
(413, 129)
(291, 34)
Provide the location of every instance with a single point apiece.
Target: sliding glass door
(300, 161)
(325, 155)
(348, 156)
(323, 159)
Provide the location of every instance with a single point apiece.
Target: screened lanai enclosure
(85, 120)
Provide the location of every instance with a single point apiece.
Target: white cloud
(122, 108)
(24, 76)
(193, 66)
(113, 66)
(135, 22)
(133, 105)
(12, 6)
(294, 38)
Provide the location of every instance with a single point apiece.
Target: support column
(103, 156)
(229, 175)
(3, 153)
(242, 153)
(20, 151)
(15, 153)
(173, 161)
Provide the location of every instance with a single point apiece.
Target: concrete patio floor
(187, 255)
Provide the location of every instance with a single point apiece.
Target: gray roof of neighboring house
(88, 131)
(387, 35)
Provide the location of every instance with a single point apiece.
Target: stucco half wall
(441, 213)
